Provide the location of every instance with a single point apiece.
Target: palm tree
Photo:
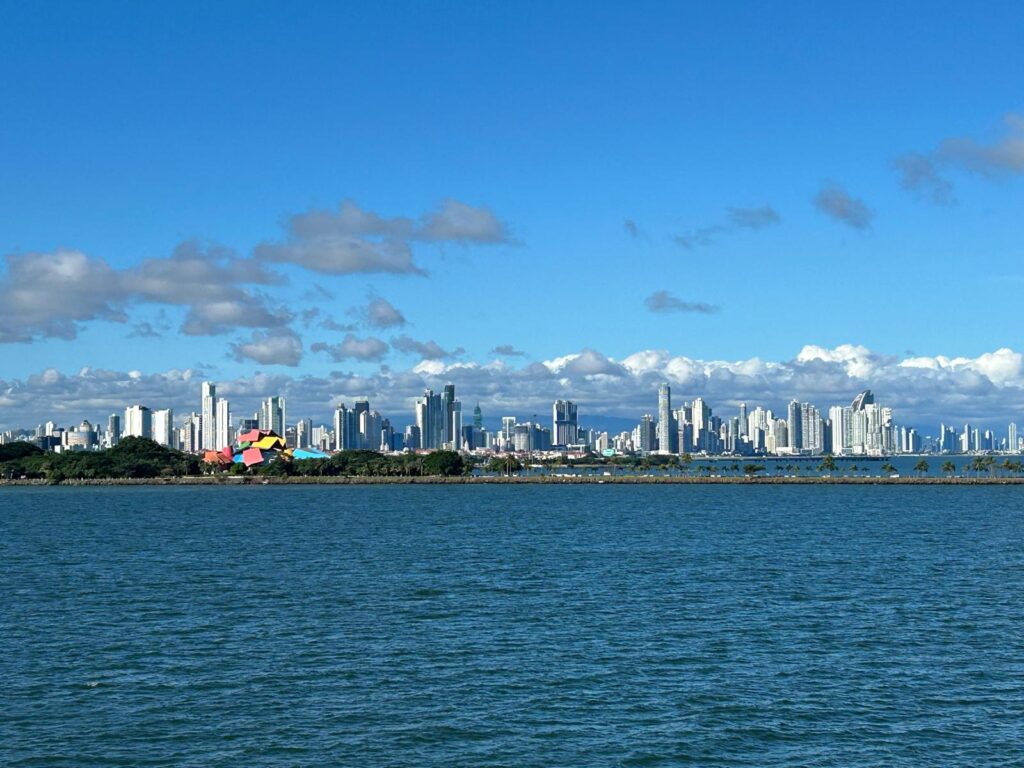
(888, 468)
(948, 467)
(828, 463)
(921, 467)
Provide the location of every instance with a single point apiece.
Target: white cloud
(279, 346)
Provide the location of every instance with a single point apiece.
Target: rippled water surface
(512, 626)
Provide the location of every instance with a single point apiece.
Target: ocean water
(512, 626)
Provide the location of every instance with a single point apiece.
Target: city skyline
(863, 428)
(541, 212)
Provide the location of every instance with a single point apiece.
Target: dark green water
(523, 626)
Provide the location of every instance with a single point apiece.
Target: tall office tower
(273, 415)
(447, 406)
(223, 424)
(429, 413)
(455, 425)
(387, 436)
(411, 438)
(361, 406)
(794, 427)
(138, 421)
(508, 428)
(743, 419)
(163, 427)
(647, 434)
(1011, 438)
(666, 431)
(209, 416)
(478, 416)
(564, 422)
(113, 430)
(346, 429)
(965, 439)
(303, 433)
(701, 420)
(369, 430)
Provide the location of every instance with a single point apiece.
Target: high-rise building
(1011, 438)
(564, 422)
(794, 427)
(646, 434)
(346, 429)
(208, 411)
(163, 427)
(666, 429)
(447, 406)
(113, 430)
(478, 416)
(273, 415)
(430, 416)
(222, 422)
(743, 419)
(455, 425)
(361, 406)
(303, 433)
(138, 421)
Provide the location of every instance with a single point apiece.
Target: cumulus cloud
(736, 219)
(352, 240)
(837, 203)
(49, 294)
(923, 391)
(923, 174)
(919, 175)
(461, 223)
(699, 237)
(279, 346)
(664, 302)
(1004, 156)
(381, 313)
(354, 348)
(428, 350)
(754, 218)
(507, 350)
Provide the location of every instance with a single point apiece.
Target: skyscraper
(430, 419)
(138, 421)
(223, 424)
(447, 406)
(359, 407)
(113, 430)
(208, 413)
(666, 432)
(794, 427)
(163, 427)
(273, 415)
(564, 422)
(478, 416)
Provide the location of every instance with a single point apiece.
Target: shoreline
(211, 480)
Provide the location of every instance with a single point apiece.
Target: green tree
(828, 463)
(948, 467)
(446, 463)
(506, 464)
(921, 467)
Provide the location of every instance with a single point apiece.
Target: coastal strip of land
(244, 480)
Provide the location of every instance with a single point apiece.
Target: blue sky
(710, 128)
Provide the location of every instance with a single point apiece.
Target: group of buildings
(863, 428)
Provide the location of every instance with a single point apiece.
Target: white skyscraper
(138, 421)
(223, 419)
(208, 412)
(163, 427)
